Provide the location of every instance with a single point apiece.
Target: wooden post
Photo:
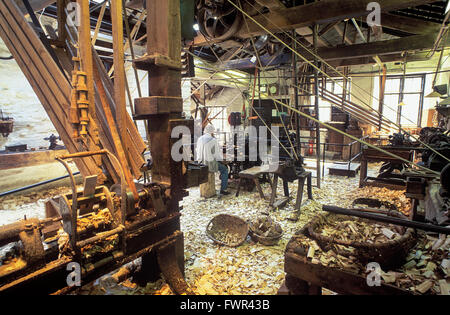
(119, 72)
(119, 85)
(164, 63)
(208, 190)
(62, 17)
(84, 40)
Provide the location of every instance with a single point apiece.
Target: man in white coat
(208, 153)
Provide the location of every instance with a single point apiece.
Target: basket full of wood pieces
(367, 240)
(228, 230)
(265, 231)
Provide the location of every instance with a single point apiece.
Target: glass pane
(410, 111)
(338, 87)
(413, 85)
(376, 92)
(390, 107)
(392, 86)
(325, 111)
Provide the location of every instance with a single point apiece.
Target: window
(219, 119)
(403, 99)
(336, 87)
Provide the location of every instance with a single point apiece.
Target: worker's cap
(209, 129)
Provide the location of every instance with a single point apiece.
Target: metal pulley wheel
(274, 46)
(130, 201)
(218, 19)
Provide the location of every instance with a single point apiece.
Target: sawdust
(251, 268)
(94, 220)
(426, 269)
(395, 197)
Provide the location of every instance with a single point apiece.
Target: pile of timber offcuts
(251, 268)
(395, 197)
(426, 269)
(94, 220)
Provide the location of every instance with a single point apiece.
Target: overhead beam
(328, 28)
(407, 24)
(306, 32)
(37, 5)
(361, 54)
(272, 5)
(360, 61)
(393, 46)
(342, 35)
(321, 12)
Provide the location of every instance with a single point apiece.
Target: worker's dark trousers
(224, 175)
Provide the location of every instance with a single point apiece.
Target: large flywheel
(218, 19)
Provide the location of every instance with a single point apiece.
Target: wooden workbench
(372, 155)
(304, 277)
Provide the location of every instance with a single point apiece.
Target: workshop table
(373, 155)
(302, 177)
(303, 277)
(253, 174)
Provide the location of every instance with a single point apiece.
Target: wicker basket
(228, 225)
(389, 254)
(269, 241)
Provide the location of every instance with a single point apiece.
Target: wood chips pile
(95, 219)
(395, 197)
(253, 268)
(426, 270)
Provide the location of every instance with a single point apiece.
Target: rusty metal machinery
(430, 195)
(439, 140)
(100, 229)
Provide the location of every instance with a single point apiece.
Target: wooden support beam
(328, 28)
(99, 23)
(343, 33)
(119, 74)
(61, 6)
(306, 32)
(84, 42)
(116, 10)
(321, 12)
(37, 5)
(272, 5)
(358, 61)
(408, 25)
(388, 47)
(164, 27)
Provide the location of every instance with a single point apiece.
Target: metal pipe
(316, 103)
(74, 206)
(101, 236)
(386, 219)
(296, 101)
(6, 193)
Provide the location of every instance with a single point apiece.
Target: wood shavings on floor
(251, 268)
